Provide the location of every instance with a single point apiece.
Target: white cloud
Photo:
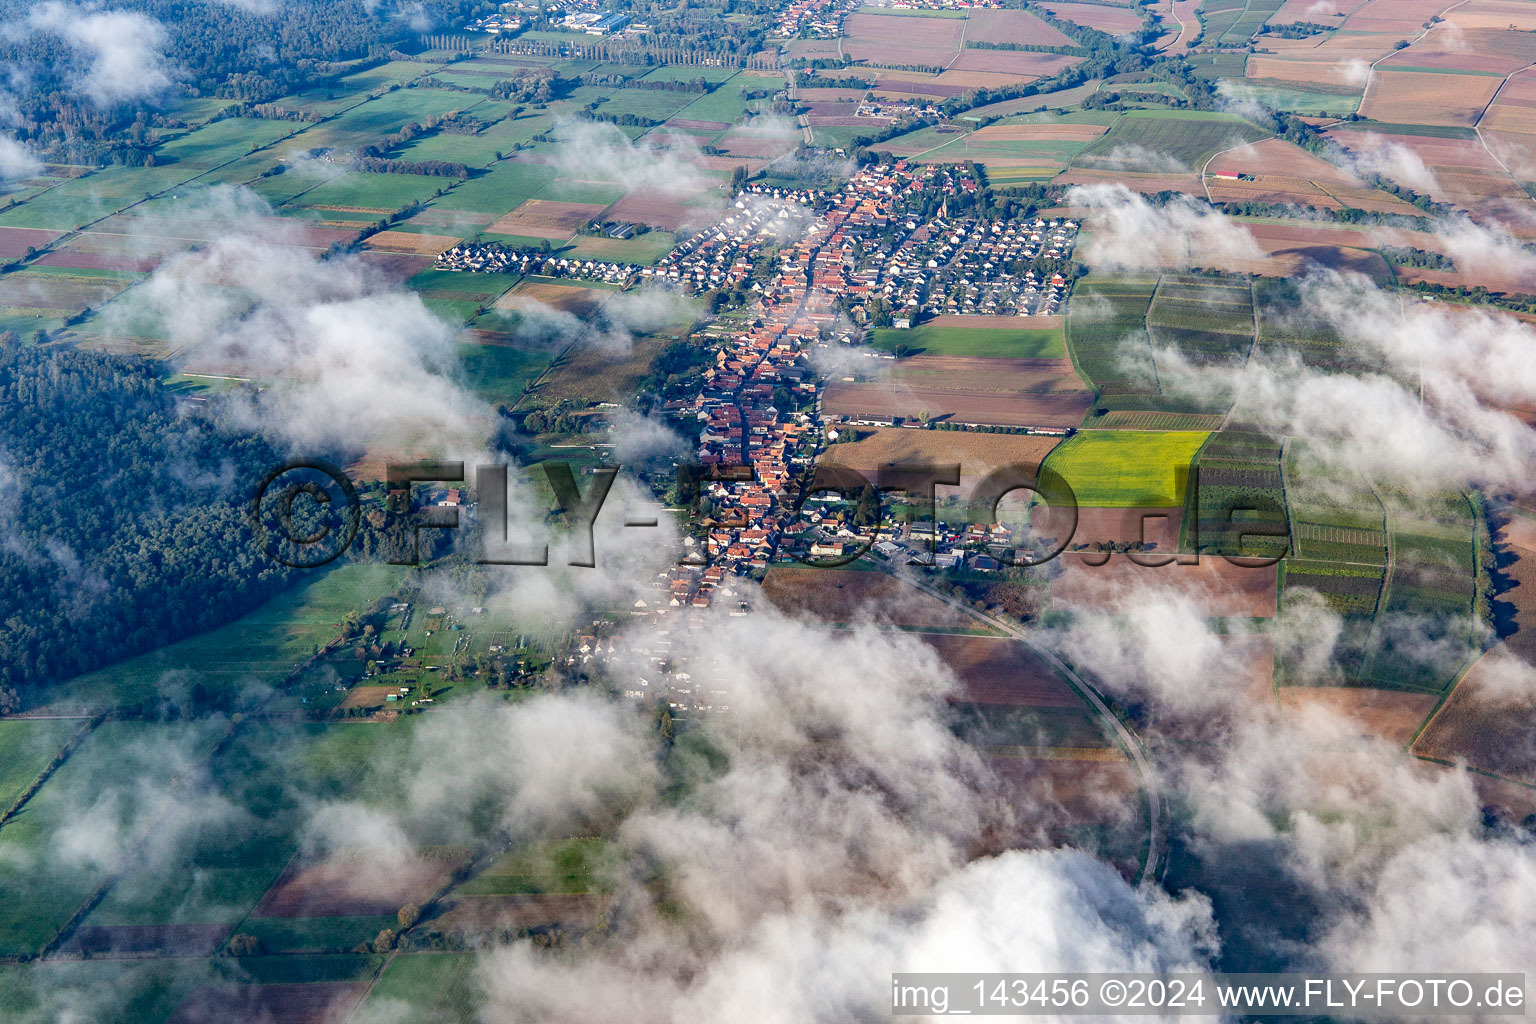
(1124, 230)
(17, 160)
(123, 52)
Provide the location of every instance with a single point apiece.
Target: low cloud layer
(17, 160)
(343, 359)
(1124, 230)
(597, 151)
(120, 54)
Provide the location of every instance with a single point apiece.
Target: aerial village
(836, 264)
(755, 454)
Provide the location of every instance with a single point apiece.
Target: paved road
(1152, 866)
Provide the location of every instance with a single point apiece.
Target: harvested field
(1148, 183)
(998, 670)
(69, 259)
(890, 39)
(1039, 132)
(1415, 97)
(811, 49)
(1513, 799)
(1009, 26)
(313, 1003)
(398, 267)
(103, 251)
(831, 95)
(855, 595)
(827, 121)
(1018, 409)
(983, 375)
(57, 291)
(1518, 118)
(677, 140)
(1089, 804)
(348, 887)
(978, 454)
(1272, 189)
(568, 297)
(1302, 71)
(546, 218)
(1500, 14)
(475, 915)
(730, 163)
(15, 242)
(1014, 62)
(1488, 722)
(1276, 157)
(1391, 715)
(684, 124)
(161, 939)
(595, 374)
(405, 241)
(1215, 586)
(1497, 51)
(1287, 255)
(1401, 16)
(1465, 175)
(659, 211)
(748, 144)
(1184, 15)
(1314, 10)
(989, 79)
(1105, 19)
(907, 88)
(1159, 526)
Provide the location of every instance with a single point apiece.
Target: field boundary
(68, 747)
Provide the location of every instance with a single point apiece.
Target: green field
(108, 991)
(223, 141)
(1303, 101)
(1127, 469)
(375, 193)
(26, 747)
(725, 103)
(498, 373)
(1189, 137)
(571, 866)
(1004, 343)
(256, 650)
(426, 986)
(315, 934)
(119, 782)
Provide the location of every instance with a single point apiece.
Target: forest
(210, 49)
(123, 520)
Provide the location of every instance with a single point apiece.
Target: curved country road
(1152, 866)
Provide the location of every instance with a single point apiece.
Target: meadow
(46, 873)
(256, 650)
(986, 342)
(26, 748)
